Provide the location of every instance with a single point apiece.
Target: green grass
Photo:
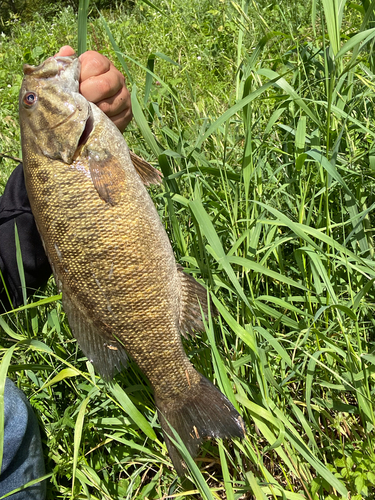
(260, 116)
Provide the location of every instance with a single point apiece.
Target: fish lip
(57, 64)
(64, 61)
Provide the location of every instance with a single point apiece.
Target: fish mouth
(65, 67)
(87, 130)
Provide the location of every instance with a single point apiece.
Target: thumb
(65, 51)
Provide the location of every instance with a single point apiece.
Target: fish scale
(122, 290)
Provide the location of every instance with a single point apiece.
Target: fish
(123, 292)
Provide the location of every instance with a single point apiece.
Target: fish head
(54, 117)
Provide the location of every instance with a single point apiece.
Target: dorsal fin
(194, 298)
(148, 173)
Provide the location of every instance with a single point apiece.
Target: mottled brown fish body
(111, 257)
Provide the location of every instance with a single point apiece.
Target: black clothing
(15, 208)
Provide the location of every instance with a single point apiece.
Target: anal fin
(106, 354)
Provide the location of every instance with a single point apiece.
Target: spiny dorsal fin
(194, 298)
(148, 173)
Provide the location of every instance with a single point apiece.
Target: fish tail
(203, 413)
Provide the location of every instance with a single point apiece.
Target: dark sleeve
(15, 209)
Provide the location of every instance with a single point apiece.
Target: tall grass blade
(83, 10)
(21, 271)
(219, 368)
(364, 36)
(256, 489)
(334, 10)
(216, 247)
(143, 125)
(116, 49)
(77, 437)
(64, 374)
(226, 474)
(235, 109)
(238, 330)
(196, 474)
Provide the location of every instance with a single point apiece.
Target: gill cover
(53, 114)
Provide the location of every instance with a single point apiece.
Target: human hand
(103, 84)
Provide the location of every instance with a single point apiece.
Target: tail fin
(204, 413)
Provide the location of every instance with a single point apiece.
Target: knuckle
(105, 86)
(105, 107)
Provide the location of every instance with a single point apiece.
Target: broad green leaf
(369, 357)
(65, 373)
(38, 345)
(9, 331)
(129, 408)
(363, 36)
(301, 133)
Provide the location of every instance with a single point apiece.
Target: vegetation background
(261, 116)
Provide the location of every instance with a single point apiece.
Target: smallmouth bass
(122, 289)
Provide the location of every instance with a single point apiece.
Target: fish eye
(30, 99)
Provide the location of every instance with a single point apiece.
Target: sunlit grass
(268, 199)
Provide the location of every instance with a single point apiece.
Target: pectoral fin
(108, 176)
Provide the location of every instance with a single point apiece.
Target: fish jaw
(52, 109)
(67, 69)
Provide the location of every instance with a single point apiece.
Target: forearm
(15, 210)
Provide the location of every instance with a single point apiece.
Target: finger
(103, 86)
(123, 119)
(65, 51)
(118, 108)
(115, 104)
(93, 64)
